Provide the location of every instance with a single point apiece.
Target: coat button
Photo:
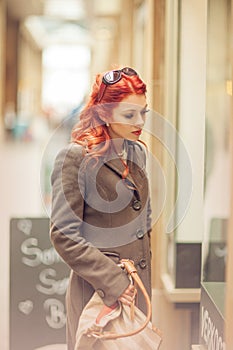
(142, 263)
(137, 204)
(139, 233)
(100, 293)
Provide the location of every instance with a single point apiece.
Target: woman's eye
(145, 111)
(129, 116)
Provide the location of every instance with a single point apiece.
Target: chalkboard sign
(38, 282)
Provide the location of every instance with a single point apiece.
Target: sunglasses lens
(112, 77)
(129, 71)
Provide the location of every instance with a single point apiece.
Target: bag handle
(128, 265)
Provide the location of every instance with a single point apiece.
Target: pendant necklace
(123, 158)
(123, 153)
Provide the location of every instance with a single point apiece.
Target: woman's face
(128, 118)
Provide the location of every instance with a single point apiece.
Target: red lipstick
(137, 133)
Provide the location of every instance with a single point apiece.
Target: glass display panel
(217, 152)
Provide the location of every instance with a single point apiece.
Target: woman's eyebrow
(131, 109)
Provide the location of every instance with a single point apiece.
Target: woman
(100, 200)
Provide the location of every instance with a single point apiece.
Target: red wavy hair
(91, 132)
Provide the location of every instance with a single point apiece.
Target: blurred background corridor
(50, 51)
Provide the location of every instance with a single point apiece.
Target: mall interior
(50, 52)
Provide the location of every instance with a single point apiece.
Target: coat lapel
(115, 163)
(118, 167)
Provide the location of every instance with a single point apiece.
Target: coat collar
(113, 162)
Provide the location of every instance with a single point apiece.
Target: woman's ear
(106, 121)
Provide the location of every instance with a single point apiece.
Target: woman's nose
(140, 120)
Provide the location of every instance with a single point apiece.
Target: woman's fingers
(129, 290)
(129, 295)
(126, 300)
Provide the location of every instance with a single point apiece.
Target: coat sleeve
(87, 261)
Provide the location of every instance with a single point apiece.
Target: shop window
(217, 168)
(217, 152)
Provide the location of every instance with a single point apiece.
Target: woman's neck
(118, 145)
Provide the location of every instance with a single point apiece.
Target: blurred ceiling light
(66, 9)
(47, 31)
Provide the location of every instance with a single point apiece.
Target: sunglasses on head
(112, 77)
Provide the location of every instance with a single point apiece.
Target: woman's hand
(105, 310)
(128, 296)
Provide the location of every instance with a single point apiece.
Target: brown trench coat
(97, 219)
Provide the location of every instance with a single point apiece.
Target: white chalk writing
(55, 317)
(210, 333)
(51, 286)
(37, 256)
